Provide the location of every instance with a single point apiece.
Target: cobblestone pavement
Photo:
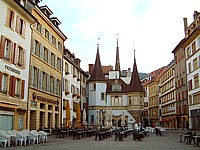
(170, 141)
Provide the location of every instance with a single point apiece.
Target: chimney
(185, 24)
(91, 66)
(77, 61)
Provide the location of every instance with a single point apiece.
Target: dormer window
(116, 86)
(45, 9)
(55, 21)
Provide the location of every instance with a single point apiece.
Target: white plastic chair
(43, 136)
(20, 137)
(5, 138)
(33, 136)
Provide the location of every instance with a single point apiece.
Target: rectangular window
(102, 96)
(44, 81)
(10, 18)
(45, 56)
(7, 50)
(59, 46)
(35, 77)
(37, 48)
(51, 84)
(53, 40)
(53, 59)
(39, 27)
(58, 88)
(59, 63)
(66, 68)
(195, 65)
(129, 100)
(94, 87)
(67, 85)
(188, 52)
(190, 85)
(196, 81)
(4, 83)
(189, 68)
(17, 87)
(46, 34)
(193, 47)
(20, 26)
(20, 56)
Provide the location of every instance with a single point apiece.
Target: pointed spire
(117, 63)
(135, 84)
(97, 73)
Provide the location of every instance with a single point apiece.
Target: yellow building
(168, 98)
(153, 95)
(45, 80)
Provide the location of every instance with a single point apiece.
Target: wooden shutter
(24, 29)
(12, 20)
(55, 85)
(12, 86)
(0, 80)
(49, 57)
(8, 17)
(17, 28)
(12, 52)
(42, 29)
(2, 46)
(33, 45)
(39, 79)
(31, 75)
(56, 62)
(24, 59)
(22, 89)
(48, 83)
(50, 36)
(16, 54)
(41, 50)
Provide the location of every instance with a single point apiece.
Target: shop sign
(12, 69)
(6, 113)
(44, 99)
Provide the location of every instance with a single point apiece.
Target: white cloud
(154, 26)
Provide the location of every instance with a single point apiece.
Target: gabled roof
(135, 84)
(97, 73)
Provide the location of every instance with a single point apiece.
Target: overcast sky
(152, 27)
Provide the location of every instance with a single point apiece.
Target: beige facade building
(168, 98)
(152, 85)
(15, 39)
(45, 80)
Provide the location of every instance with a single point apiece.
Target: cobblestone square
(169, 141)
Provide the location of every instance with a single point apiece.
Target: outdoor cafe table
(181, 138)
(196, 137)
